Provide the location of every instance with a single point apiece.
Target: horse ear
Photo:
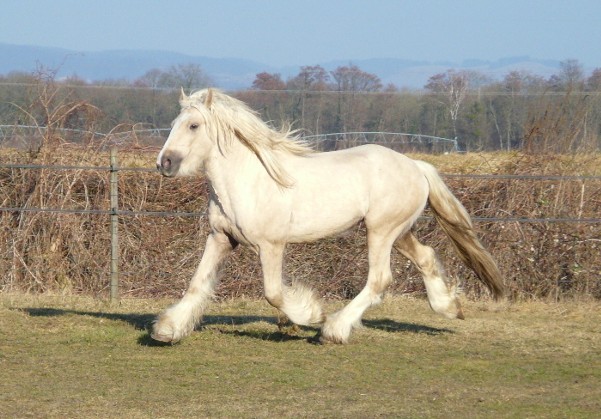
(182, 96)
(209, 98)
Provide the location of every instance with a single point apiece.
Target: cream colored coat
(268, 188)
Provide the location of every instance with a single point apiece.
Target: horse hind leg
(442, 295)
(338, 326)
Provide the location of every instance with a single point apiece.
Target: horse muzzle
(168, 163)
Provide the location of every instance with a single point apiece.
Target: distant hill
(233, 73)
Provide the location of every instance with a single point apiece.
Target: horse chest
(240, 220)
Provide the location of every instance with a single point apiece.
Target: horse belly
(327, 211)
(320, 228)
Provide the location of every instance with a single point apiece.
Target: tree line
(526, 111)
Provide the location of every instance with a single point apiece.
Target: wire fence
(115, 212)
(584, 220)
(25, 135)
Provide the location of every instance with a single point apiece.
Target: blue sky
(305, 32)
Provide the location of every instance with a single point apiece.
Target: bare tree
(353, 79)
(268, 81)
(593, 83)
(571, 74)
(150, 79)
(309, 79)
(187, 76)
(349, 81)
(452, 86)
(506, 110)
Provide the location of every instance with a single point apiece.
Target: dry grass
(69, 253)
(78, 357)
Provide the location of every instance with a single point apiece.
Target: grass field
(78, 357)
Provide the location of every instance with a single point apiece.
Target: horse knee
(379, 285)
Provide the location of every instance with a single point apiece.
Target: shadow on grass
(394, 326)
(380, 324)
(275, 336)
(143, 321)
(137, 320)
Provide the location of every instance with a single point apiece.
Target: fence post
(114, 182)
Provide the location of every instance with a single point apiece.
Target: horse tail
(456, 223)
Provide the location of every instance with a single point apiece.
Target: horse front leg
(297, 301)
(180, 319)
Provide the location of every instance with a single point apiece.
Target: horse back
(335, 190)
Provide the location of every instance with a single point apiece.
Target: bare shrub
(39, 245)
(70, 252)
(558, 124)
(538, 258)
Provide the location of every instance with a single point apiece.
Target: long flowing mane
(231, 119)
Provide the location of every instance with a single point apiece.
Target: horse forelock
(231, 119)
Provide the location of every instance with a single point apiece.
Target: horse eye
(193, 126)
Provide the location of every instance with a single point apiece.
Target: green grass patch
(78, 357)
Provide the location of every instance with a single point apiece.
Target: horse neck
(234, 170)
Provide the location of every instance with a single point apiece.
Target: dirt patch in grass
(78, 357)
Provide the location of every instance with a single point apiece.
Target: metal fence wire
(115, 212)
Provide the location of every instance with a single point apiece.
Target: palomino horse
(269, 188)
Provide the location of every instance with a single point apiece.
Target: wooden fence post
(114, 182)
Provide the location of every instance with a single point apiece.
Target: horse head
(189, 142)
(209, 120)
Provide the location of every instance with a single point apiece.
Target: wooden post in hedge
(114, 182)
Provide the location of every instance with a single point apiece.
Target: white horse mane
(233, 119)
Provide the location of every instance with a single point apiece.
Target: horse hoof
(161, 338)
(330, 340)
(165, 338)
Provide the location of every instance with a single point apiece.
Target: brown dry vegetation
(70, 253)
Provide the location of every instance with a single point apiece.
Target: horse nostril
(168, 163)
(165, 164)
